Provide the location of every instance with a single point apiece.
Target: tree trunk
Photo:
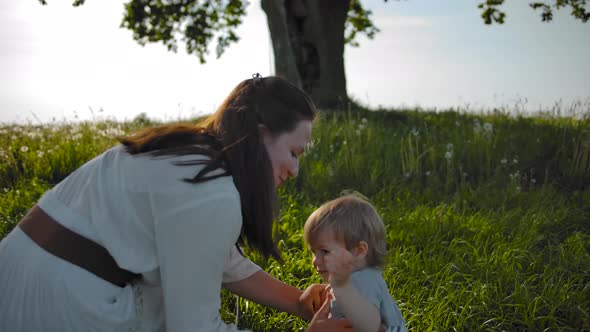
(308, 44)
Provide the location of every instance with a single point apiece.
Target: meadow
(488, 215)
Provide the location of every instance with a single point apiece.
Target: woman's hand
(321, 322)
(312, 298)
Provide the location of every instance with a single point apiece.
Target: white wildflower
(449, 155)
(427, 173)
(450, 147)
(503, 161)
(476, 127)
(40, 154)
(24, 149)
(515, 161)
(487, 127)
(415, 132)
(364, 120)
(358, 132)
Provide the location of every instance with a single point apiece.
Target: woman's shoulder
(169, 174)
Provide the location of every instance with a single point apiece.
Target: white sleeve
(238, 267)
(193, 241)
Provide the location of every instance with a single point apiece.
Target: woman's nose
(294, 169)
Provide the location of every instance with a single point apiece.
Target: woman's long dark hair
(231, 138)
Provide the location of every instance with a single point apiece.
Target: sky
(60, 63)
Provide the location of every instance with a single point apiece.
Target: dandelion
(515, 161)
(361, 126)
(533, 181)
(344, 142)
(24, 149)
(514, 176)
(358, 132)
(450, 147)
(449, 155)
(427, 173)
(487, 127)
(415, 132)
(40, 154)
(477, 127)
(457, 123)
(503, 161)
(364, 120)
(407, 174)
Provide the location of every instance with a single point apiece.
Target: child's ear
(361, 249)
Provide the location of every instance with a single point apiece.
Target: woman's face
(285, 149)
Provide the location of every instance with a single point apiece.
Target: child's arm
(363, 314)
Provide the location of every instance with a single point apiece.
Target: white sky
(60, 62)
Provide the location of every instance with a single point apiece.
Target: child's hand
(312, 299)
(322, 323)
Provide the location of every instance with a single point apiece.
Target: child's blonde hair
(352, 219)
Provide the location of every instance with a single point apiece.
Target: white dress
(179, 236)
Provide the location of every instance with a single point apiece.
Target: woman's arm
(265, 289)
(192, 242)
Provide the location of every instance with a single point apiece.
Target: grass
(488, 215)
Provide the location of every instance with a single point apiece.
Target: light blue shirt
(370, 283)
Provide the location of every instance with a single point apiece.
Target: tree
(308, 36)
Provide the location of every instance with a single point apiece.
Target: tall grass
(488, 216)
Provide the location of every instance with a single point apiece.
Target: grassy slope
(488, 216)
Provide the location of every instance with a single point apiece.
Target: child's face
(324, 243)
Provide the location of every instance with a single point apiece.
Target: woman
(143, 237)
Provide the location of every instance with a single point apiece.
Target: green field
(488, 215)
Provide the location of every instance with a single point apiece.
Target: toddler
(347, 239)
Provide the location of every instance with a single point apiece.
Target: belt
(72, 247)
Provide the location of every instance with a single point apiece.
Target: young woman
(142, 237)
